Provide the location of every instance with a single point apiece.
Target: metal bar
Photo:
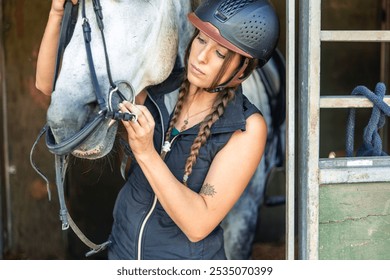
(290, 131)
(348, 101)
(354, 170)
(355, 36)
(385, 57)
(385, 64)
(8, 241)
(354, 161)
(3, 140)
(309, 81)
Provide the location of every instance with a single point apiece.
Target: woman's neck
(197, 105)
(200, 96)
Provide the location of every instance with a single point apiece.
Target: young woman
(178, 192)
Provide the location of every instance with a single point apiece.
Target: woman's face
(205, 61)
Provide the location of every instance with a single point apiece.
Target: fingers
(57, 6)
(143, 117)
(127, 124)
(146, 113)
(133, 109)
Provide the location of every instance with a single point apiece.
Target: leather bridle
(105, 109)
(64, 148)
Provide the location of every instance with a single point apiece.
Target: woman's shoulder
(254, 119)
(254, 134)
(248, 107)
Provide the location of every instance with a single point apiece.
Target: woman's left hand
(140, 132)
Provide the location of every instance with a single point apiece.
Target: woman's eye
(201, 40)
(220, 55)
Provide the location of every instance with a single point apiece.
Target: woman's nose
(202, 55)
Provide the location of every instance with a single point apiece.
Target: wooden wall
(31, 227)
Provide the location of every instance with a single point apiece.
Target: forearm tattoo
(208, 189)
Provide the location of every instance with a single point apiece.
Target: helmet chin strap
(235, 80)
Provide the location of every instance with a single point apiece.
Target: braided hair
(222, 99)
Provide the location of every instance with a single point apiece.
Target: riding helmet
(248, 27)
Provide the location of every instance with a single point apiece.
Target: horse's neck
(185, 27)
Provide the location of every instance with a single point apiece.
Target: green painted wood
(354, 222)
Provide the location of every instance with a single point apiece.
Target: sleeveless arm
(48, 48)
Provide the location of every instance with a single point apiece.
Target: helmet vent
(230, 7)
(253, 30)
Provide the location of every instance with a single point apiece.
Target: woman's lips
(196, 70)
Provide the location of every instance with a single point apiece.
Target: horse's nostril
(66, 118)
(60, 133)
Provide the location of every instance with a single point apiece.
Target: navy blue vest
(142, 229)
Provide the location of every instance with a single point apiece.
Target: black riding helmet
(248, 27)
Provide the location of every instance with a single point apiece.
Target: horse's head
(142, 45)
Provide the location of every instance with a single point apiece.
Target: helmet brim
(212, 32)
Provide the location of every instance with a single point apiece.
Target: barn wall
(34, 223)
(354, 221)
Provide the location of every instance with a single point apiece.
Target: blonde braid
(205, 129)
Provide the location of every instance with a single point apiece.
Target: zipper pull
(166, 147)
(185, 179)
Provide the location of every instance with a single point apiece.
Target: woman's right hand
(57, 6)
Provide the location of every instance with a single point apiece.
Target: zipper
(146, 219)
(141, 231)
(148, 216)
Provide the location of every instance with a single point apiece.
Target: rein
(64, 148)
